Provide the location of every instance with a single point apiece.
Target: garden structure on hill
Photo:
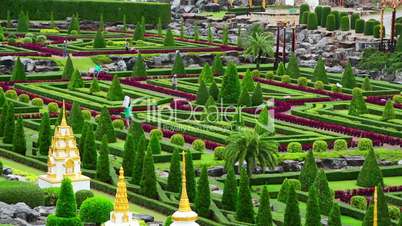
(220, 113)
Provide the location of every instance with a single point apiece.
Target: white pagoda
(121, 216)
(184, 216)
(64, 160)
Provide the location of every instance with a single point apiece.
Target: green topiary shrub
(12, 94)
(331, 22)
(281, 70)
(37, 102)
(335, 88)
(326, 10)
(177, 139)
(312, 21)
(340, 145)
(397, 99)
(394, 212)
(219, 153)
(305, 17)
(359, 202)
(364, 144)
(285, 78)
(169, 39)
(53, 107)
(345, 24)
(82, 195)
(23, 98)
(377, 31)
(168, 221)
(318, 12)
(96, 210)
(359, 26)
(51, 196)
(294, 147)
(337, 19)
(118, 124)
(156, 132)
(198, 145)
(269, 75)
(303, 8)
(302, 81)
(256, 73)
(86, 114)
(320, 146)
(353, 19)
(369, 27)
(319, 85)
(398, 28)
(12, 192)
(370, 174)
(283, 192)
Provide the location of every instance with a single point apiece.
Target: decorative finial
(121, 202)
(184, 205)
(375, 211)
(63, 118)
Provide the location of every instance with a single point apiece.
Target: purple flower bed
(345, 196)
(40, 48)
(381, 101)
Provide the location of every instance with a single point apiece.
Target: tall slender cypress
(230, 193)
(148, 181)
(334, 218)
(45, 135)
(105, 126)
(292, 212)
(174, 178)
(325, 194)
(190, 173)
(244, 206)
(103, 164)
(203, 195)
(313, 217)
(264, 216)
(308, 172)
(89, 157)
(129, 155)
(139, 160)
(19, 143)
(9, 125)
(76, 119)
(3, 117)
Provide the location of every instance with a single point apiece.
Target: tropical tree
(246, 145)
(260, 45)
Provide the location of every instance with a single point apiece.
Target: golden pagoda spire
(184, 205)
(121, 201)
(63, 117)
(375, 211)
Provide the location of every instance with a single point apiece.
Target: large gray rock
(146, 218)
(334, 163)
(291, 165)
(17, 214)
(354, 160)
(217, 171)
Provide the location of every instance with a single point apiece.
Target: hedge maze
(323, 130)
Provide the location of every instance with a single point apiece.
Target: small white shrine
(121, 216)
(64, 160)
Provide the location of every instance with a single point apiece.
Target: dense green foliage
(230, 90)
(389, 111)
(103, 163)
(370, 174)
(359, 26)
(264, 216)
(293, 67)
(89, 156)
(244, 205)
(325, 194)
(178, 67)
(19, 142)
(75, 118)
(18, 73)
(357, 105)
(284, 190)
(326, 10)
(313, 217)
(190, 174)
(312, 22)
(105, 126)
(229, 196)
(68, 69)
(115, 92)
(331, 22)
(75, 81)
(292, 212)
(334, 218)
(202, 93)
(309, 172)
(9, 124)
(303, 8)
(217, 66)
(139, 69)
(345, 23)
(169, 39)
(203, 196)
(257, 96)
(82, 195)
(99, 41)
(129, 155)
(148, 181)
(13, 192)
(174, 178)
(96, 210)
(139, 159)
(348, 78)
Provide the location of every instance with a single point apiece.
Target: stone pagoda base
(119, 219)
(79, 183)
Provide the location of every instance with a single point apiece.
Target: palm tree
(246, 145)
(259, 45)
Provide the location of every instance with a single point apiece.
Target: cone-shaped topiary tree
(74, 24)
(345, 25)
(139, 32)
(312, 22)
(75, 81)
(217, 65)
(178, 67)
(76, 120)
(105, 126)
(308, 172)
(293, 67)
(18, 73)
(313, 217)
(159, 27)
(103, 163)
(203, 196)
(210, 35)
(148, 181)
(9, 125)
(225, 38)
(357, 105)
(292, 212)
(89, 157)
(389, 111)
(368, 217)
(303, 8)
(202, 94)
(45, 135)
(214, 91)
(264, 216)
(66, 207)
(383, 218)
(3, 117)
(257, 98)
(139, 160)
(248, 82)
(229, 196)
(366, 86)
(331, 22)
(230, 90)
(263, 123)
(101, 25)
(115, 92)
(206, 74)
(136, 130)
(281, 69)
(320, 74)
(94, 88)
(190, 173)
(244, 205)
(370, 174)
(174, 178)
(325, 194)
(334, 218)
(154, 144)
(348, 78)
(129, 155)
(68, 69)
(244, 99)
(19, 143)
(326, 10)
(139, 69)
(23, 22)
(99, 41)
(196, 34)
(169, 39)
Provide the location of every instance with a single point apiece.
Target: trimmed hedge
(12, 192)
(87, 9)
